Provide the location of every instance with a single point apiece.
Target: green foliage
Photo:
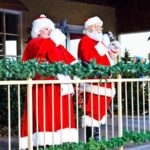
(11, 69)
(13, 108)
(142, 86)
(116, 142)
(137, 97)
(92, 145)
(16, 69)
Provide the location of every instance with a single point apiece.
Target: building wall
(74, 12)
(133, 16)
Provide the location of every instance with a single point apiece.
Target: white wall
(136, 43)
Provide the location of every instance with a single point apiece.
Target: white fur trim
(98, 90)
(57, 36)
(101, 48)
(38, 139)
(88, 121)
(61, 136)
(113, 54)
(110, 59)
(74, 62)
(76, 78)
(65, 88)
(68, 135)
(39, 23)
(92, 21)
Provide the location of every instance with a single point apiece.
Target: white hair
(39, 23)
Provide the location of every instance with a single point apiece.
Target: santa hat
(92, 21)
(39, 23)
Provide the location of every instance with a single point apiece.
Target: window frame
(76, 29)
(19, 35)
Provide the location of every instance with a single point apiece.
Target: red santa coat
(98, 98)
(43, 127)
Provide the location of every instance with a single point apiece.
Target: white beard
(95, 35)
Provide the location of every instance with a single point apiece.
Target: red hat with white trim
(39, 23)
(92, 21)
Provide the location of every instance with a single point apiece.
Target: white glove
(114, 49)
(114, 45)
(57, 37)
(106, 40)
(74, 62)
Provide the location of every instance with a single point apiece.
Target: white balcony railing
(130, 109)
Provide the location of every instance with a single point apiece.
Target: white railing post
(119, 91)
(29, 110)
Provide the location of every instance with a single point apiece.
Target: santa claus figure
(53, 114)
(95, 46)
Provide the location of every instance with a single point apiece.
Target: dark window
(11, 23)
(1, 22)
(1, 44)
(10, 45)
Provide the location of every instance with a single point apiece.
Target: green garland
(16, 69)
(128, 137)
